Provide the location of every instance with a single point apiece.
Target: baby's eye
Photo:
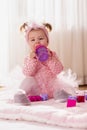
(41, 38)
(32, 40)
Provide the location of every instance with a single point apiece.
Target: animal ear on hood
(23, 27)
(48, 26)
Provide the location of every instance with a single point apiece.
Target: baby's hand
(33, 55)
(49, 53)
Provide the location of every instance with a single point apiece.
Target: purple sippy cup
(42, 53)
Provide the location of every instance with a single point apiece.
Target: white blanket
(49, 112)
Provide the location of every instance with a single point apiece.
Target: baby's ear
(23, 27)
(48, 26)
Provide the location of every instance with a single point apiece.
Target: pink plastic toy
(71, 101)
(35, 98)
(80, 98)
(41, 97)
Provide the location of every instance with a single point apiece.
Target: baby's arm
(54, 64)
(30, 66)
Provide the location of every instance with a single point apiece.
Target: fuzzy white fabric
(13, 79)
(49, 112)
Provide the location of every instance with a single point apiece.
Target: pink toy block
(71, 101)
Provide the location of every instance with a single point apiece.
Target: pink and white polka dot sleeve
(55, 64)
(30, 66)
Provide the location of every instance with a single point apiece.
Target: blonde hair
(26, 27)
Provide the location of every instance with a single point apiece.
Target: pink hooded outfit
(44, 73)
(42, 77)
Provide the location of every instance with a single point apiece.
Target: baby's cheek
(33, 47)
(45, 44)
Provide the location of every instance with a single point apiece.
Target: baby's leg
(62, 89)
(28, 87)
(21, 98)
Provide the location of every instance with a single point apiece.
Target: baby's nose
(37, 43)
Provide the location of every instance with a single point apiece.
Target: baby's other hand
(49, 53)
(32, 55)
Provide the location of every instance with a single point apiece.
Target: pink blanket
(49, 112)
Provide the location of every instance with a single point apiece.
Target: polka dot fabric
(43, 72)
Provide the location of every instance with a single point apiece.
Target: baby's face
(37, 37)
